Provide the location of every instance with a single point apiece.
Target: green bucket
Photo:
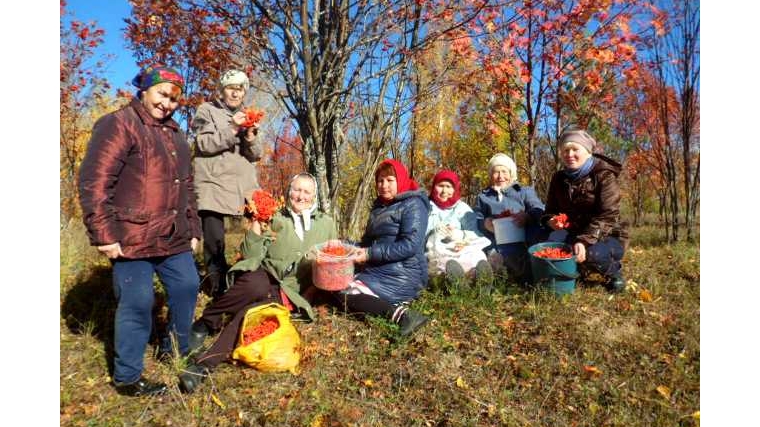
(557, 275)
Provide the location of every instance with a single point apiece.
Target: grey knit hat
(579, 137)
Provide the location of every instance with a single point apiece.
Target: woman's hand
(360, 255)
(251, 132)
(112, 251)
(255, 226)
(488, 224)
(519, 218)
(580, 251)
(194, 244)
(554, 223)
(238, 119)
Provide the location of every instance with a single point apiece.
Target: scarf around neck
(582, 171)
(445, 175)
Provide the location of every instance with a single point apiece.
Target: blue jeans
(603, 257)
(133, 288)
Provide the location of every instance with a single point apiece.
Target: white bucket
(505, 231)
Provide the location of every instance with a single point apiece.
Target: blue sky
(110, 16)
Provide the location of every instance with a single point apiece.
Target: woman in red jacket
(139, 207)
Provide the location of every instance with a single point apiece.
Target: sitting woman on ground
(454, 243)
(588, 193)
(506, 197)
(273, 265)
(392, 264)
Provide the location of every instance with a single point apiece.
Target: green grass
(517, 358)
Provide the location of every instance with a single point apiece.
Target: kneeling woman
(393, 267)
(270, 267)
(587, 191)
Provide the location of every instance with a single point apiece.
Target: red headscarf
(403, 182)
(445, 175)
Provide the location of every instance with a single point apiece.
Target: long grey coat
(225, 173)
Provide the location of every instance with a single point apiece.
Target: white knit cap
(501, 159)
(234, 77)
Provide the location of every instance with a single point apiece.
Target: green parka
(283, 255)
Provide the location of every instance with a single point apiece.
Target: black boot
(141, 387)
(191, 377)
(411, 321)
(615, 284)
(198, 333)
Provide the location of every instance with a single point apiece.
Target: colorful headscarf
(445, 175)
(154, 75)
(403, 182)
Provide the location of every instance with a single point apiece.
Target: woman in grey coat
(225, 173)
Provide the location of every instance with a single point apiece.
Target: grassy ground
(518, 358)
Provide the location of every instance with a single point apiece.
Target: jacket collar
(490, 191)
(218, 103)
(149, 120)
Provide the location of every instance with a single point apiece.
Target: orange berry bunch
(562, 221)
(261, 330)
(262, 206)
(252, 117)
(553, 253)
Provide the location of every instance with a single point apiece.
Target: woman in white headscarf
(505, 196)
(225, 173)
(273, 269)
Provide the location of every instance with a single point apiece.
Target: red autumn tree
(550, 56)
(282, 160)
(82, 89)
(311, 57)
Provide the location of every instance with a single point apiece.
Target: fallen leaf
(593, 370)
(664, 391)
(318, 421)
(368, 382)
(460, 383)
(218, 402)
(645, 295)
(695, 415)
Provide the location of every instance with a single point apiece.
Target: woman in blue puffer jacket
(392, 264)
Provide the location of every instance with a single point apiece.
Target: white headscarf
(501, 159)
(302, 221)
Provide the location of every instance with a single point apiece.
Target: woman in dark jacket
(393, 266)
(138, 203)
(587, 191)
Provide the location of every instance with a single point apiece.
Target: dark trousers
(133, 288)
(213, 251)
(250, 289)
(603, 257)
(362, 304)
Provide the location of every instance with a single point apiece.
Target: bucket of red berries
(333, 267)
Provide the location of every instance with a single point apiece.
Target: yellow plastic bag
(278, 351)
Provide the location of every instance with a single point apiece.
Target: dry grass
(520, 358)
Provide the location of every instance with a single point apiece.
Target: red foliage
(255, 333)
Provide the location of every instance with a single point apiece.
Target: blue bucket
(557, 275)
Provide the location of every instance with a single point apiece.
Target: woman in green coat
(270, 267)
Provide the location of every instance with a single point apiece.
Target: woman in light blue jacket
(454, 243)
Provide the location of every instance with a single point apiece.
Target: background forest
(436, 84)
